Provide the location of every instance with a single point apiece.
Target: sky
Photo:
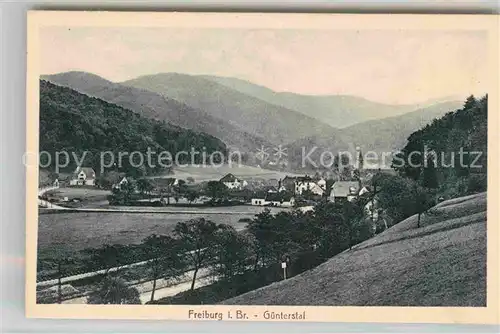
(395, 67)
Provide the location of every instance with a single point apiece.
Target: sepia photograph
(280, 162)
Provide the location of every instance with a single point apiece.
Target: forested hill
(74, 122)
(440, 164)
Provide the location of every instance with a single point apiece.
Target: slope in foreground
(443, 263)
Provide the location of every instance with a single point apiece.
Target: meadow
(208, 173)
(79, 230)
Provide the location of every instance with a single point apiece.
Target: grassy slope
(443, 263)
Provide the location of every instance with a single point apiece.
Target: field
(442, 263)
(76, 231)
(207, 173)
(84, 194)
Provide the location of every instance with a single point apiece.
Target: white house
(285, 200)
(83, 176)
(307, 208)
(258, 201)
(372, 209)
(232, 182)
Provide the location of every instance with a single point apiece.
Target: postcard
(262, 167)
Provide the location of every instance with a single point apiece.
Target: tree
(190, 179)
(123, 194)
(114, 291)
(430, 177)
(396, 196)
(144, 186)
(422, 200)
(327, 233)
(108, 257)
(192, 195)
(352, 219)
(176, 197)
(196, 238)
(63, 262)
(216, 190)
(232, 250)
(164, 259)
(262, 229)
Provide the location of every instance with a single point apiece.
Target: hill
(155, 106)
(381, 135)
(338, 111)
(452, 173)
(74, 122)
(275, 123)
(442, 263)
(391, 133)
(206, 104)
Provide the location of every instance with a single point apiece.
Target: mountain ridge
(330, 109)
(275, 123)
(152, 105)
(381, 135)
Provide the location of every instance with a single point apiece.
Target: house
(288, 183)
(271, 189)
(258, 201)
(83, 176)
(307, 208)
(322, 183)
(165, 182)
(232, 182)
(306, 183)
(372, 209)
(122, 182)
(283, 199)
(346, 190)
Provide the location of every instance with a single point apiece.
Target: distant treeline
(74, 122)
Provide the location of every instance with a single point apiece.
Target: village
(289, 192)
(115, 200)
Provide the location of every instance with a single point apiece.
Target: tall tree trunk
(154, 289)
(256, 265)
(194, 277)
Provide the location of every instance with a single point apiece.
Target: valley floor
(442, 263)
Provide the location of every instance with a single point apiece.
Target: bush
(477, 183)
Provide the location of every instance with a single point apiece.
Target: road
(164, 287)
